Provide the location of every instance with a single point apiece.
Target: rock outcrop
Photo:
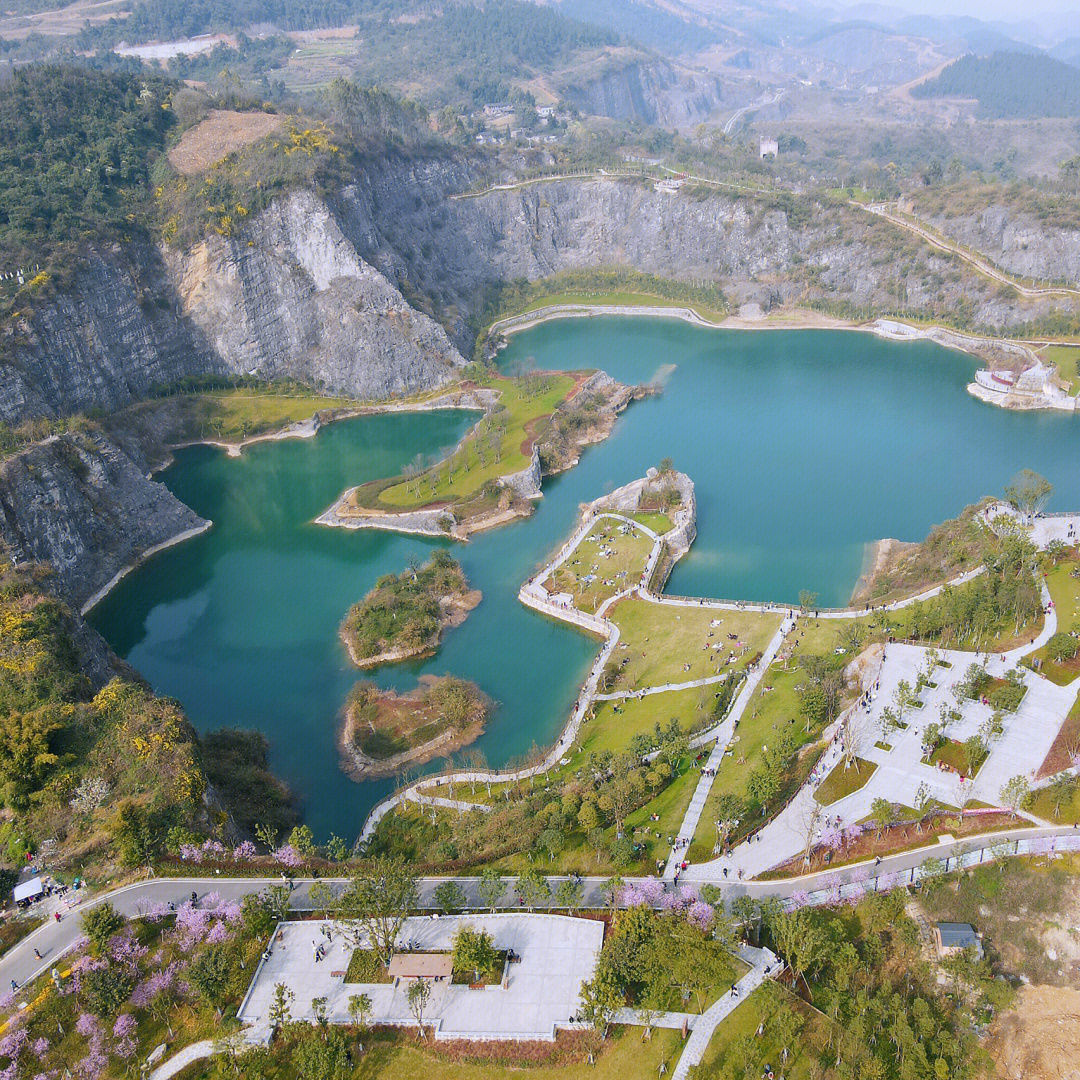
(292, 297)
(315, 288)
(404, 220)
(1017, 241)
(106, 338)
(87, 507)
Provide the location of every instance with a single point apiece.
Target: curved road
(740, 113)
(54, 939)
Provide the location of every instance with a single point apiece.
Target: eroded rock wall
(86, 506)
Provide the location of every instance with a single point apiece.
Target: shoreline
(888, 329)
(520, 490)
(107, 588)
(359, 767)
(531, 593)
(309, 428)
(455, 613)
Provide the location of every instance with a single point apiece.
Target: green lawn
(234, 415)
(1065, 592)
(1068, 813)
(617, 722)
(1067, 359)
(842, 781)
(500, 445)
(624, 1057)
(612, 559)
(736, 1050)
(858, 194)
(397, 1055)
(652, 519)
(768, 712)
(665, 644)
(953, 754)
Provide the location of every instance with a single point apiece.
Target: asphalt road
(53, 939)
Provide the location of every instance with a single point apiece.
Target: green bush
(1062, 647)
(1007, 698)
(365, 967)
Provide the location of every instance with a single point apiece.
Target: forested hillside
(76, 150)
(1010, 85)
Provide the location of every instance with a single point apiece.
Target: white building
(768, 147)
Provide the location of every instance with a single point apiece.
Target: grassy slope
(627, 554)
(1067, 359)
(1065, 592)
(761, 1007)
(672, 637)
(524, 417)
(625, 1057)
(842, 781)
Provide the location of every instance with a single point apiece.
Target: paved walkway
(764, 964)
(534, 595)
(54, 939)
(537, 995)
(900, 773)
(673, 1021)
(723, 734)
(180, 1061)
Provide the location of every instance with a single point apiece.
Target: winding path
(979, 263)
(534, 595)
(736, 116)
(763, 964)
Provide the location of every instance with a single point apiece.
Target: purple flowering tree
(287, 855)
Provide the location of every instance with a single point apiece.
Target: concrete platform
(558, 954)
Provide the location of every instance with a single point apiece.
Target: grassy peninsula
(532, 424)
(405, 614)
(384, 731)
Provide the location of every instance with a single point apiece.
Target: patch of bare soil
(222, 133)
(882, 557)
(62, 21)
(1040, 1038)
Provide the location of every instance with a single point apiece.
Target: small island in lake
(384, 731)
(405, 614)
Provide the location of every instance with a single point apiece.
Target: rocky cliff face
(653, 93)
(1018, 242)
(316, 289)
(291, 297)
(404, 221)
(103, 342)
(86, 505)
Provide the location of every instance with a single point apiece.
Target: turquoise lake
(804, 446)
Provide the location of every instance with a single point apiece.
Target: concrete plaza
(539, 993)
(900, 771)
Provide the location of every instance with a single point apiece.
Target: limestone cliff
(1017, 241)
(404, 220)
(86, 506)
(290, 297)
(315, 287)
(110, 332)
(293, 297)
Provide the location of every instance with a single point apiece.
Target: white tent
(28, 890)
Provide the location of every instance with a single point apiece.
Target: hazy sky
(1010, 10)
